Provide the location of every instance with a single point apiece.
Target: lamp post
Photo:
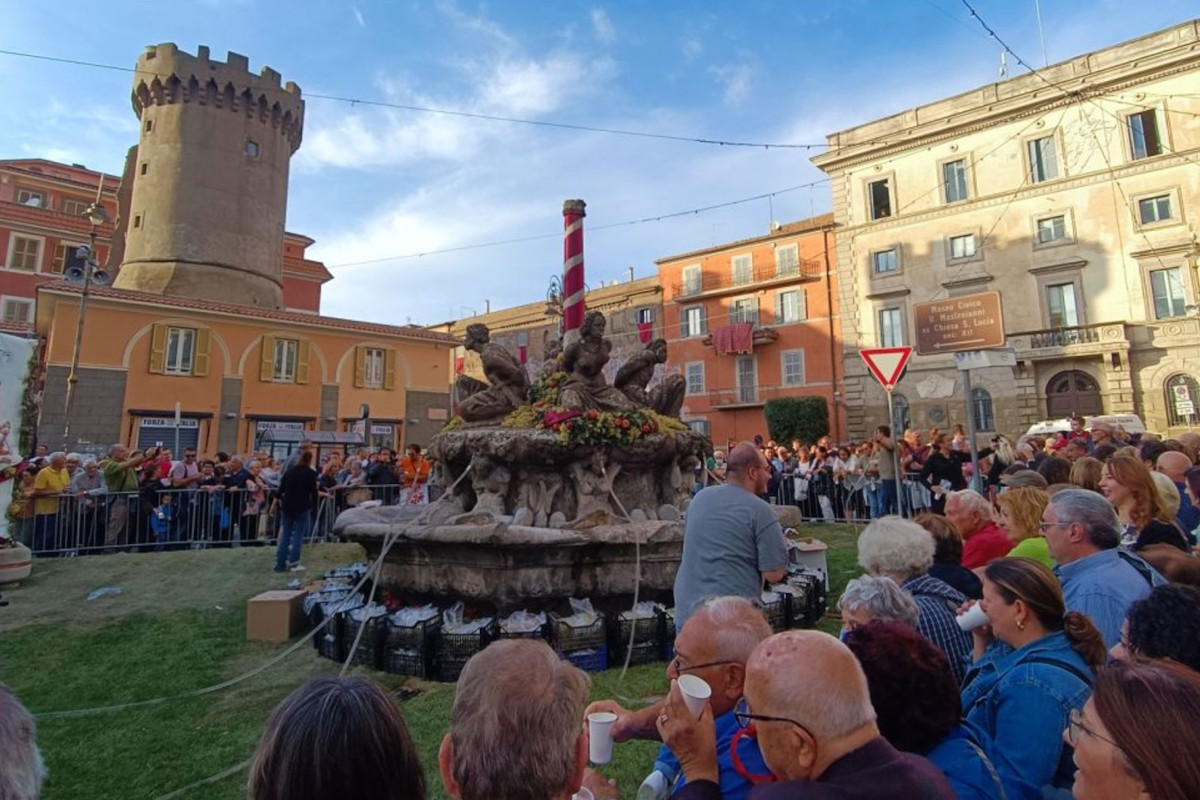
(96, 216)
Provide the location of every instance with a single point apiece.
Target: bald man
(807, 697)
(1175, 465)
(732, 540)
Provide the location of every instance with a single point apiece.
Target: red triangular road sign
(886, 363)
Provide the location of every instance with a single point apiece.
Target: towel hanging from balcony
(735, 338)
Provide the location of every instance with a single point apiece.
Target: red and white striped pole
(573, 304)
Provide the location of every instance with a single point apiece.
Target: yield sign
(886, 363)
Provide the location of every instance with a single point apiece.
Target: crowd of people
(68, 503)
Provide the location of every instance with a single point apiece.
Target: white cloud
(691, 49)
(734, 81)
(358, 16)
(603, 27)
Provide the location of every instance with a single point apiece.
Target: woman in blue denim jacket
(1033, 666)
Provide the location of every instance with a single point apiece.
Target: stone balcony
(1075, 341)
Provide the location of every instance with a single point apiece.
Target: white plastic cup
(600, 736)
(696, 692)
(973, 618)
(584, 793)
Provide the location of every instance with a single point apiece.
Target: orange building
(42, 224)
(237, 373)
(753, 320)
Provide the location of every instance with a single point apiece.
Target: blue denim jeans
(883, 500)
(292, 530)
(45, 535)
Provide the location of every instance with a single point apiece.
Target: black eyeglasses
(1075, 725)
(679, 668)
(741, 713)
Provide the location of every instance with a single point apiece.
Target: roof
(87, 178)
(232, 309)
(307, 268)
(48, 218)
(20, 328)
(787, 229)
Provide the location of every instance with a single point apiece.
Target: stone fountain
(563, 486)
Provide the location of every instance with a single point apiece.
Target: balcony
(749, 396)
(762, 335)
(1078, 340)
(716, 282)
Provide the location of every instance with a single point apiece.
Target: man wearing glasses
(1099, 579)
(732, 540)
(713, 646)
(808, 704)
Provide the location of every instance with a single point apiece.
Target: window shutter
(801, 304)
(303, 348)
(158, 349)
(200, 357)
(389, 369)
(360, 367)
(266, 368)
(703, 321)
(778, 308)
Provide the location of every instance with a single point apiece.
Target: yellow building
(1070, 192)
(237, 372)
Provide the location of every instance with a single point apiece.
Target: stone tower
(206, 215)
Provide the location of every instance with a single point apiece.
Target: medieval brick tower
(206, 215)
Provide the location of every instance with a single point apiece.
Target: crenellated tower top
(167, 75)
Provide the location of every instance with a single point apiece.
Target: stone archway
(1073, 392)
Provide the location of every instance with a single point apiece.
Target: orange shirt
(414, 470)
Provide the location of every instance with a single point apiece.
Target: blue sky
(372, 183)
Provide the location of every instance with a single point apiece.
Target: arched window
(981, 410)
(901, 418)
(1183, 397)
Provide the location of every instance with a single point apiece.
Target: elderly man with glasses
(808, 704)
(714, 646)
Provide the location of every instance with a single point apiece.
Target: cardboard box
(274, 616)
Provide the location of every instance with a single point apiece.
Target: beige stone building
(1073, 193)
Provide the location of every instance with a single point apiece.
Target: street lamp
(96, 216)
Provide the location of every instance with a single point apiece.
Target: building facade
(753, 320)
(236, 372)
(1070, 192)
(632, 309)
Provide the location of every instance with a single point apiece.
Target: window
(137, 221)
(24, 253)
(252, 148)
(149, 125)
(962, 246)
(743, 270)
(1166, 286)
(793, 367)
(1183, 394)
(879, 199)
(73, 207)
(954, 179)
(1060, 303)
(1043, 159)
(144, 168)
(644, 316)
(693, 280)
(63, 255)
(790, 306)
(1154, 209)
(373, 367)
(981, 410)
(692, 322)
(181, 346)
(699, 426)
(787, 260)
(285, 360)
(891, 328)
(28, 197)
(1143, 134)
(17, 309)
(885, 261)
(695, 377)
(747, 379)
(743, 309)
(1051, 229)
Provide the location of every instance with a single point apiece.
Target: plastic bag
(582, 614)
(522, 622)
(364, 613)
(453, 621)
(643, 610)
(412, 616)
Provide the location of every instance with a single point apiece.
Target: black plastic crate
(777, 612)
(410, 662)
(420, 637)
(647, 653)
(455, 649)
(808, 607)
(328, 640)
(371, 645)
(570, 638)
(666, 632)
(541, 632)
(590, 660)
(647, 639)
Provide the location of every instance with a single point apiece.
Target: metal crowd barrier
(178, 519)
(830, 498)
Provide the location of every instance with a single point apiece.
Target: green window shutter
(158, 349)
(200, 358)
(266, 368)
(303, 350)
(389, 369)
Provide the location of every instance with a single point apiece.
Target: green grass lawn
(179, 625)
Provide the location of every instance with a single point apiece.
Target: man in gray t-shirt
(732, 541)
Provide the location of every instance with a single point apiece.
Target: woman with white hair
(876, 598)
(902, 550)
